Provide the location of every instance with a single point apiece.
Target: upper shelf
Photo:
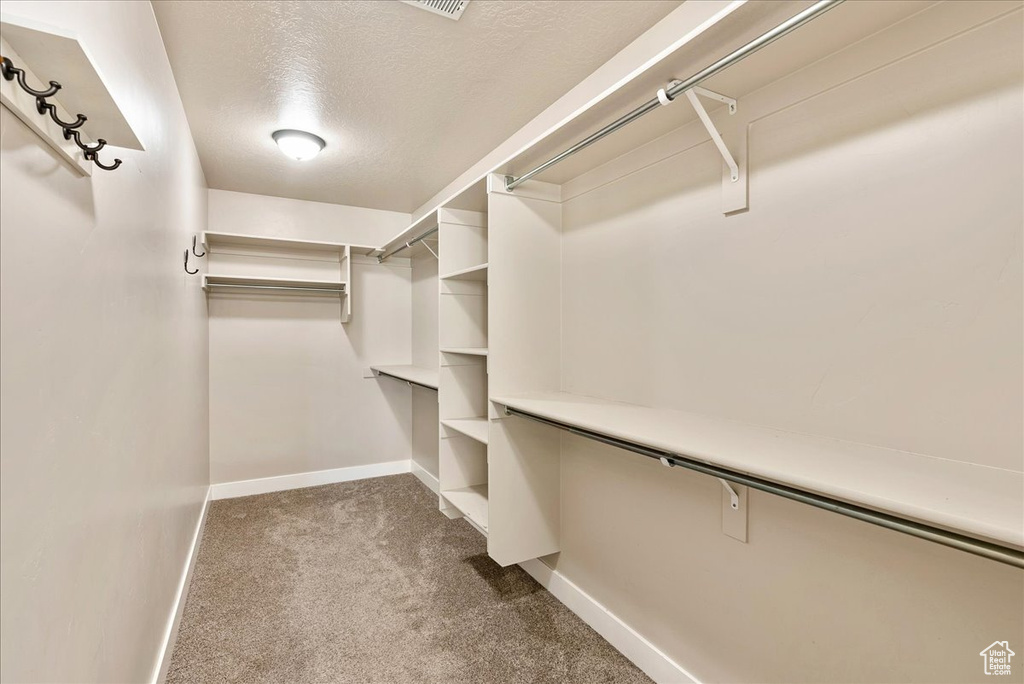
(978, 501)
(418, 375)
(53, 53)
(215, 241)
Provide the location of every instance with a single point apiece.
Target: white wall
(287, 392)
(872, 293)
(104, 372)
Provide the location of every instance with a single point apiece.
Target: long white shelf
(298, 285)
(477, 273)
(471, 501)
(213, 240)
(475, 428)
(469, 351)
(418, 375)
(973, 500)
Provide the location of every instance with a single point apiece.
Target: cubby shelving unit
(267, 265)
(462, 394)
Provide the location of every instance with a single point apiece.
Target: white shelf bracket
(431, 251)
(734, 498)
(734, 176)
(734, 506)
(691, 95)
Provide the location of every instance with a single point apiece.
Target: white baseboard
(265, 485)
(425, 477)
(171, 632)
(624, 638)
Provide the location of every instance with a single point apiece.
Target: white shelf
(50, 52)
(471, 502)
(978, 501)
(213, 241)
(299, 286)
(475, 428)
(478, 273)
(427, 377)
(469, 351)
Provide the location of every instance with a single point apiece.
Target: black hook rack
(11, 72)
(194, 248)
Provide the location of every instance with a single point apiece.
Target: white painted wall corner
(624, 638)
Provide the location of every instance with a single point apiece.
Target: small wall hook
(10, 72)
(90, 152)
(44, 107)
(186, 251)
(194, 248)
(96, 161)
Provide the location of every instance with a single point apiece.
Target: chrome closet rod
(407, 245)
(411, 382)
(1001, 554)
(328, 290)
(750, 48)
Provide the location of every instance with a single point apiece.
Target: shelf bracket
(691, 95)
(734, 178)
(734, 506)
(734, 498)
(430, 250)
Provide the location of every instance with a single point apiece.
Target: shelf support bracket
(734, 506)
(691, 95)
(734, 178)
(430, 250)
(734, 498)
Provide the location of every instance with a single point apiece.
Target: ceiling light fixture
(298, 144)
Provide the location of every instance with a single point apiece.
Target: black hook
(44, 107)
(9, 71)
(90, 152)
(194, 248)
(96, 161)
(186, 258)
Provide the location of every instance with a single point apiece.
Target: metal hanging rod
(407, 245)
(750, 48)
(405, 380)
(1002, 554)
(235, 286)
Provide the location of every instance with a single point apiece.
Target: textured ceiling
(405, 99)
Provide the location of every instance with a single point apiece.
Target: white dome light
(298, 144)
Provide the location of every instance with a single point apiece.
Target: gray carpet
(367, 582)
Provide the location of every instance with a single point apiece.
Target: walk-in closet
(512, 341)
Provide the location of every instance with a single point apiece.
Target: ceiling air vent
(452, 9)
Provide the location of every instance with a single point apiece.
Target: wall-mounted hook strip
(186, 251)
(194, 248)
(44, 107)
(10, 72)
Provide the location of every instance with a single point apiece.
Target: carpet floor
(367, 582)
